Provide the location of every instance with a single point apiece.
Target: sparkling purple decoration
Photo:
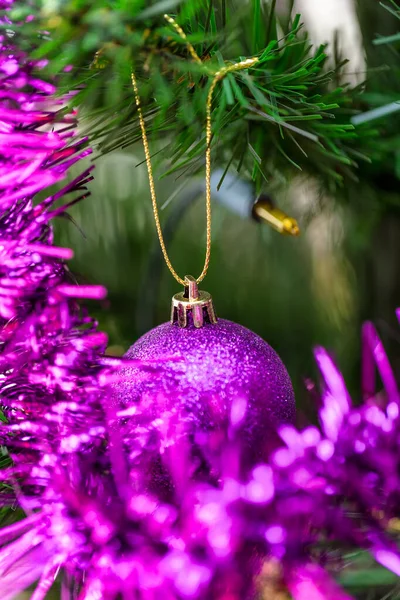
(51, 365)
(217, 373)
(84, 465)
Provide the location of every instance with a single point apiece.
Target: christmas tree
(298, 132)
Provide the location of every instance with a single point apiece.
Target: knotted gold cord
(218, 76)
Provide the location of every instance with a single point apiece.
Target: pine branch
(282, 116)
(394, 9)
(380, 102)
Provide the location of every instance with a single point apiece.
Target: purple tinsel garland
(92, 510)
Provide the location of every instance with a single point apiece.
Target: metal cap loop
(193, 303)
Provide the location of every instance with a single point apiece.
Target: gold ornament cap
(193, 303)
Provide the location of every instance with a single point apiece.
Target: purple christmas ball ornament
(214, 376)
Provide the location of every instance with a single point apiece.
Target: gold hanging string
(218, 76)
(183, 35)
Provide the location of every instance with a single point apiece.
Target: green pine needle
(289, 100)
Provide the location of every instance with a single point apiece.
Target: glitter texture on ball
(218, 374)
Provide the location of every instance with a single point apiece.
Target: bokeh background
(295, 293)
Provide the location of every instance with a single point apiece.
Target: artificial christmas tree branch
(282, 116)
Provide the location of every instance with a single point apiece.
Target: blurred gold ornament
(270, 582)
(263, 210)
(394, 525)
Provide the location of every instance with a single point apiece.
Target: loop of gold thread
(218, 76)
(183, 35)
